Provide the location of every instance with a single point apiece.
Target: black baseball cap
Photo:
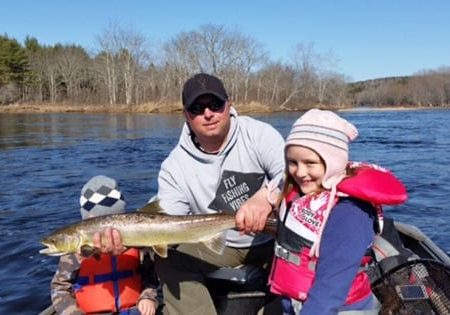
(201, 84)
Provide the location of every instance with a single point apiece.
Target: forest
(126, 70)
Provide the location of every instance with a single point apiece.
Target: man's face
(209, 118)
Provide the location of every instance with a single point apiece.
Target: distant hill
(429, 89)
(361, 85)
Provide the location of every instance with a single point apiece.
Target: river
(46, 158)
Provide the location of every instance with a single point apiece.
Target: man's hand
(109, 241)
(252, 215)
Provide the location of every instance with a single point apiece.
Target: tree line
(127, 69)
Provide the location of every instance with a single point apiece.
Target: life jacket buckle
(287, 255)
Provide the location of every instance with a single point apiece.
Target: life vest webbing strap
(114, 276)
(119, 275)
(81, 281)
(115, 282)
(287, 255)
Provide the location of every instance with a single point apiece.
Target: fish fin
(161, 250)
(217, 243)
(152, 208)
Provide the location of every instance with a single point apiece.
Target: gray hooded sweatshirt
(193, 182)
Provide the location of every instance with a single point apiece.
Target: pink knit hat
(328, 135)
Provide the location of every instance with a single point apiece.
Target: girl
(329, 215)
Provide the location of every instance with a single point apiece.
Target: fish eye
(53, 241)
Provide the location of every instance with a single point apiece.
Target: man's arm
(170, 195)
(252, 215)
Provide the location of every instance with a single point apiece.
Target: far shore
(158, 108)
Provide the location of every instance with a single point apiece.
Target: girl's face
(306, 168)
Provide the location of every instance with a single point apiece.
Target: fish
(147, 227)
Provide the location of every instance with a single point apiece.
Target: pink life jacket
(293, 269)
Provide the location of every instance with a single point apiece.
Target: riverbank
(148, 108)
(75, 108)
(168, 108)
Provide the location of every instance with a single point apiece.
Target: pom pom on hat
(328, 135)
(101, 196)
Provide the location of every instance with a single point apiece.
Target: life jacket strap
(116, 276)
(287, 255)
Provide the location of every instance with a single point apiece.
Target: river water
(46, 158)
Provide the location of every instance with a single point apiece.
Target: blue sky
(370, 39)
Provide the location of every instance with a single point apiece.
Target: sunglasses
(199, 109)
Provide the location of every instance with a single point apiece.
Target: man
(220, 161)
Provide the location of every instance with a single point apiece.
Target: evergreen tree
(13, 61)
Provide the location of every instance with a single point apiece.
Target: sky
(369, 38)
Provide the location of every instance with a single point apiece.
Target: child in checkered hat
(73, 289)
(100, 196)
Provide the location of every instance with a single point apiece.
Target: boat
(415, 281)
(412, 280)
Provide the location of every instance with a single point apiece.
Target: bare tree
(213, 49)
(249, 54)
(181, 59)
(72, 67)
(50, 73)
(337, 90)
(133, 57)
(275, 84)
(325, 74)
(123, 53)
(304, 61)
(107, 60)
(313, 76)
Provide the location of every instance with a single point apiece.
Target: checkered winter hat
(328, 135)
(101, 196)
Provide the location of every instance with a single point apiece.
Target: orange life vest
(110, 284)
